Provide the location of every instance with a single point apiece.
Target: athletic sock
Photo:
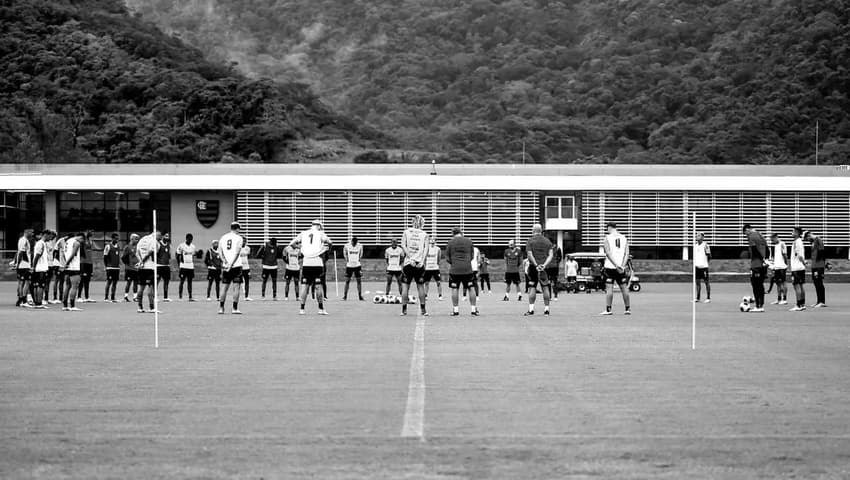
(422, 308)
(607, 308)
(221, 304)
(321, 306)
(302, 306)
(531, 307)
(546, 308)
(404, 309)
(236, 306)
(455, 309)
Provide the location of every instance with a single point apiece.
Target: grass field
(271, 394)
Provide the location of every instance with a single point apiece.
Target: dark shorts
(312, 275)
(798, 277)
(466, 280)
(758, 274)
(113, 274)
(163, 271)
(484, 276)
(38, 279)
(533, 277)
(187, 273)
(552, 273)
(146, 276)
(512, 277)
(86, 270)
(131, 275)
(431, 275)
(394, 273)
(294, 274)
(213, 274)
(269, 272)
(571, 279)
(24, 274)
(353, 271)
(234, 275)
(70, 274)
(53, 271)
(702, 273)
(413, 274)
(614, 275)
(780, 276)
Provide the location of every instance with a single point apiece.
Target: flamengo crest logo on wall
(207, 212)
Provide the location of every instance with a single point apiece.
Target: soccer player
(163, 267)
(212, 259)
(414, 242)
(571, 273)
(186, 264)
(780, 267)
(269, 253)
(432, 267)
(41, 266)
(702, 255)
(313, 243)
(60, 260)
(513, 263)
(798, 269)
(394, 256)
(596, 273)
(540, 255)
(553, 269)
(459, 253)
(246, 268)
(71, 265)
(818, 265)
(292, 260)
(112, 265)
(87, 268)
(475, 264)
(22, 264)
(131, 269)
(758, 265)
(616, 248)
(230, 247)
(484, 272)
(52, 269)
(353, 254)
(147, 267)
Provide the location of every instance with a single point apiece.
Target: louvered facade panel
(674, 228)
(783, 213)
(391, 220)
(727, 219)
(529, 214)
(476, 224)
(591, 218)
(755, 212)
(364, 217)
(504, 216)
(449, 214)
(645, 219)
(837, 230)
(812, 214)
(335, 216)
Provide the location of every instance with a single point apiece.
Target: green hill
(714, 81)
(84, 81)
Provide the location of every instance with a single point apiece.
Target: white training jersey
(414, 242)
(73, 263)
(293, 258)
(187, 255)
(60, 247)
(146, 245)
(779, 252)
(314, 243)
(393, 256)
(353, 254)
(571, 269)
(476, 258)
(798, 250)
(43, 253)
(230, 247)
(617, 245)
(701, 255)
(243, 257)
(26, 253)
(432, 260)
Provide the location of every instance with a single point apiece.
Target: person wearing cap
(757, 247)
(230, 247)
(313, 244)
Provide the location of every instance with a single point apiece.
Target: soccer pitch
(271, 394)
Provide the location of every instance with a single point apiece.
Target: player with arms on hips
(432, 267)
(459, 254)
(758, 265)
(186, 263)
(353, 254)
(702, 255)
(798, 269)
(414, 242)
(540, 254)
(513, 263)
(41, 267)
(616, 248)
(313, 244)
(394, 256)
(230, 246)
(779, 259)
(147, 268)
(22, 264)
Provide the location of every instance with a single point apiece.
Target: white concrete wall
(184, 220)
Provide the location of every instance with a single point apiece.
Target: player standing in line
(353, 253)
(414, 242)
(313, 243)
(553, 270)
(212, 259)
(71, 267)
(41, 267)
(269, 253)
(818, 265)
(22, 264)
(616, 248)
(131, 269)
(780, 267)
(702, 256)
(571, 274)
(540, 255)
(459, 254)
(52, 268)
(475, 264)
(513, 263)
(147, 267)
(87, 266)
(58, 274)
(163, 267)
(292, 261)
(112, 265)
(798, 269)
(186, 265)
(758, 265)
(246, 268)
(432, 268)
(394, 256)
(230, 247)
(484, 273)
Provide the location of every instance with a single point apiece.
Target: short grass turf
(271, 394)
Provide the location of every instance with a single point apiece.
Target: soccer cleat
(783, 302)
(775, 302)
(154, 311)
(820, 305)
(65, 309)
(236, 312)
(607, 312)
(757, 310)
(475, 313)
(221, 311)
(362, 299)
(302, 312)
(519, 298)
(75, 309)
(440, 298)
(141, 310)
(91, 300)
(56, 302)
(41, 307)
(249, 299)
(322, 312)
(191, 299)
(455, 314)
(463, 299)
(344, 298)
(797, 309)
(627, 312)
(696, 300)
(403, 314)
(707, 300)
(209, 299)
(527, 314)
(546, 313)
(505, 298)
(555, 299)
(166, 300)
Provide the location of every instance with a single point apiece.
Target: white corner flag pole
(336, 277)
(155, 294)
(694, 286)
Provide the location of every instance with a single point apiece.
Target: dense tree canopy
(713, 81)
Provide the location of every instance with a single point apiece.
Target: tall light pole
(817, 140)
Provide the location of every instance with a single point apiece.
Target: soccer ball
(413, 299)
(376, 299)
(747, 304)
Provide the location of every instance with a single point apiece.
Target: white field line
(414, 414)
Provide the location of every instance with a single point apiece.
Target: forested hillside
(575, 80)
(84, 81)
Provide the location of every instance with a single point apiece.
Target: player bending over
(414, 242)
(616, 248)
(353, 253)
(230, 245)
(540, 255)
(313, 243)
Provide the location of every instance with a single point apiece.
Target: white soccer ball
(413, 298)
(376, 299)
(745, 307)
